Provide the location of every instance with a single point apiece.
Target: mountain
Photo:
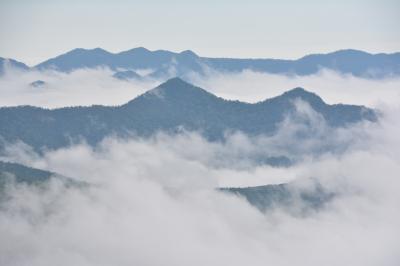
(23, 173)
(265, 198)
(288, 196)
(15, 173)
(167, 64)
(11, 63)
(127, 75)
(162, 62)
(169, 107)
(37, 83)
(357, 63)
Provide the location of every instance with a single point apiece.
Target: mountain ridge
(171, 106)
(168, 64)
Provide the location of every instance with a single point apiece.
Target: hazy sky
(32, 31)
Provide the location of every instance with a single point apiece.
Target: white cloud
(153, 200)
(334, 88)
(81, 87)
(97, 86)
(153, 203)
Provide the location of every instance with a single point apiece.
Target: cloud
(82, 87)
(250, 86)
(97, 86)
(153, 201)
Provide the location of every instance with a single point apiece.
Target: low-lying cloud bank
(153, 202)
(250, 86)
(82, 87)
(97, 86)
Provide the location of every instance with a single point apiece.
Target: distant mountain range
(170, 107)
(167, 64)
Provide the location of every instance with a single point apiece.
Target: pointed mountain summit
(170, 107)
(178, 89)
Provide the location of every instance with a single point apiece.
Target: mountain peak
(176, 90)
(301, 93)
(138, 50)
(297, 91)
(96, 50)
(7, 62)
(176, 87)
(348, 52)
(176, 81)
(188, 53)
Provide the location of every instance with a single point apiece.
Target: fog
(154, 201)
(250, 86)
(97, 86)
(83, 87)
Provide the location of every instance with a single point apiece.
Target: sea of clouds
(154, 201)
(84, 87)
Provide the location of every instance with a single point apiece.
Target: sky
(33, 31)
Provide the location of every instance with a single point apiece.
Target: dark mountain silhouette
(167, 64)
(127, 75)
(288, 196)
(37, 83)
(170, 107)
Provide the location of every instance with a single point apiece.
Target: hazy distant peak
(5, 62)
(346, 53)
(177, 85)
(350, 52)
(97, 50)
(188, 53)
(137, 50)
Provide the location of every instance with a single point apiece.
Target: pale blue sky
(32, 31)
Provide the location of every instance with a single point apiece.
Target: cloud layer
(82, 87)
(97, 86)
(153, 201)
(250, 86)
